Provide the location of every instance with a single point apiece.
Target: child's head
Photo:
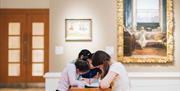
(84, 54)
(82, 66)
(100, 58)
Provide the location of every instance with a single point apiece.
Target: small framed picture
(78, 29)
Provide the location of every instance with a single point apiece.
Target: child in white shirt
(114, 74)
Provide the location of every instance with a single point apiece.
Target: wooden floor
(20, 89)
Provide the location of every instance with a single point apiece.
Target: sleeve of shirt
(114, 71)
(117, 68)
(72, 76)
(107, 80)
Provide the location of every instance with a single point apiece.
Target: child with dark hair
(86, 55)
(69, 76)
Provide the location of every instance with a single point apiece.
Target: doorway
(24, 45)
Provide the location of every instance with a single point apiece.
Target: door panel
(38, 46)
(12, 40)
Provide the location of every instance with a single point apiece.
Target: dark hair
(85, 54)
(83, 66)
(101, 58)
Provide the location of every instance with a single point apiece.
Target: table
(89, 89)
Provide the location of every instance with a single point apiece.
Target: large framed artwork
(145, 31)
(78, 29)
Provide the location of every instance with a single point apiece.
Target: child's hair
(101, 58)
(84, 55)
(83, 66)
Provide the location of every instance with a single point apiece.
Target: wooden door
(12, 28)
(38, 47)
(24, 44)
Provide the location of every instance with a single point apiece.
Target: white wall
(103, 15)
(24, 3)
(0, 3)
(160, 81)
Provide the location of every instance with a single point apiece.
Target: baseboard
(22, 85)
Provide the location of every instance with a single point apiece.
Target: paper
(94, 84)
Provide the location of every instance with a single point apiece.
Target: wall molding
(130, 74)
(52, 75)
(139, 81)
(154, 74)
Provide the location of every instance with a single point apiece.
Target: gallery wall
(0, 3)
(103, 15)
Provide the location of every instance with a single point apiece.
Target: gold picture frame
(121, 28)
(78, 29)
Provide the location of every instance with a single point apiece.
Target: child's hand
(97, 76)
(88, 81)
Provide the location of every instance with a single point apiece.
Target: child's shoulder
(70, 65)
(117, 65)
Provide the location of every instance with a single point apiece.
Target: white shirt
(121, 82)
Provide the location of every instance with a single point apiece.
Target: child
(71, 73)
(86, 55)
(113, 73)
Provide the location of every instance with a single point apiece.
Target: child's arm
(107, 80)
(72, 77)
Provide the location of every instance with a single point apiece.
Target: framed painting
(145, 31)
(78, 29)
